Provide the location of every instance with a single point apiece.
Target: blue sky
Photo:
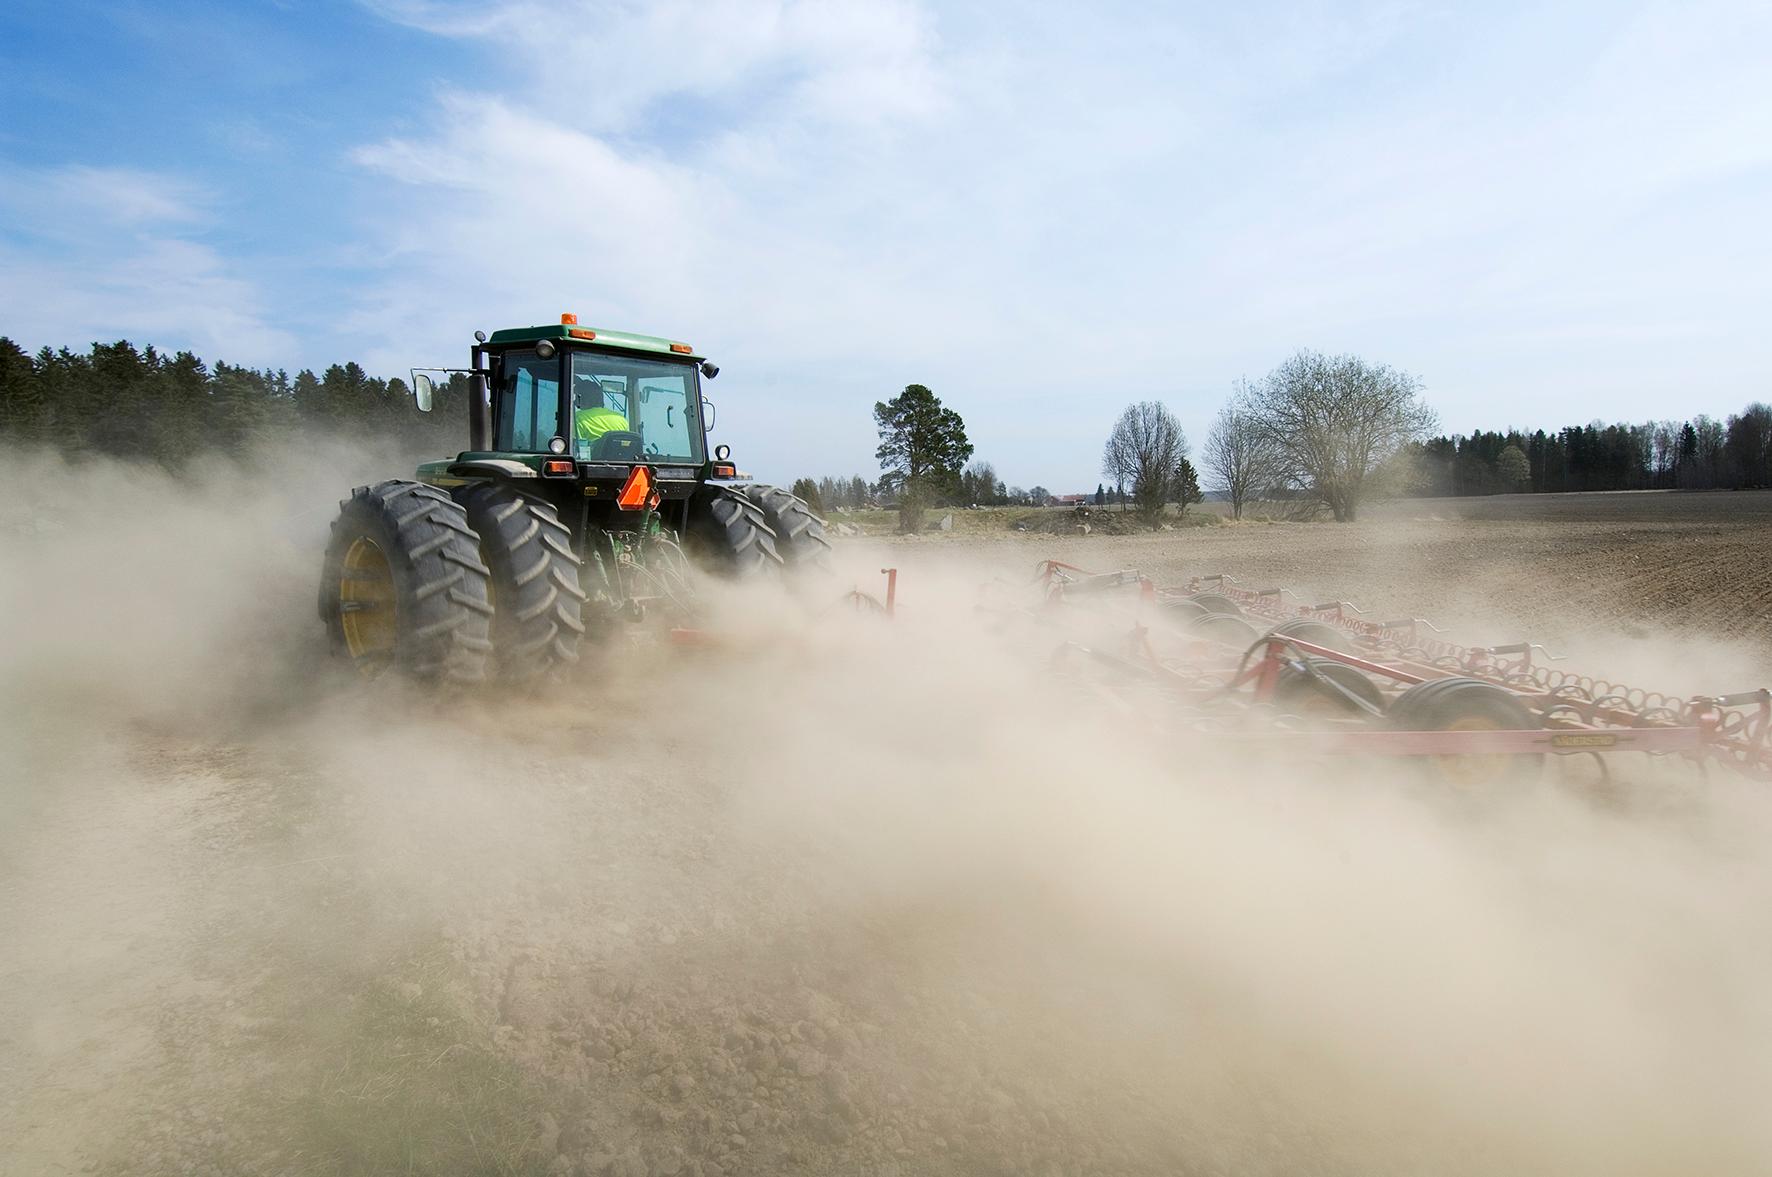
(1550, 213)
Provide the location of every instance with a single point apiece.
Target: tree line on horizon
(1275, 439)
(145, 404)
(1701, 453)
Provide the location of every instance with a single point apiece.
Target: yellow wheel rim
(1471, 771)
(366, 606)
(1315, 702)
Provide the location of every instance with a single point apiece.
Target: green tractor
(585, 494)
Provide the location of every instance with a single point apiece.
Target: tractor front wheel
(537, 602)
(403, 588)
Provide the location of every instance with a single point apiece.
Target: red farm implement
(1322, 679)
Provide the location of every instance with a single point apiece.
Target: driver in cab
(591, 418)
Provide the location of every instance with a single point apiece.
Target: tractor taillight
(558, 466)
(636, 490)
(568, 320)
(725, 470)
(681, 349)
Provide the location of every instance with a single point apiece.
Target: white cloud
(57, 199)
(1044, 215)
(99, 254)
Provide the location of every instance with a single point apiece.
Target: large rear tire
(799, 534)
(729, 535)
(537, 601)
(403, 588)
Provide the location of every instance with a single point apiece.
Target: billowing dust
(831, 896)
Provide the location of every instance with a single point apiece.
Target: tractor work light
(636, 490)
(681, 349)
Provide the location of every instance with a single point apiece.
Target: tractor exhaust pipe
(479, 412)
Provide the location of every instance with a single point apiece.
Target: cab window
(631, 409)
(528, 403)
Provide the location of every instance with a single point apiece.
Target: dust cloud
(831, 895)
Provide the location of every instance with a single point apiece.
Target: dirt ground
(841, 897)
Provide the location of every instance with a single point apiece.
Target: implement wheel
(1180, 609)
(1222, 628)
(1217, 603)
(1298, 692)
(537, 602)
(1179, 612)
(1468, 705)
(1317, 633)
(799, 534)
(730, 535)
(403, 588)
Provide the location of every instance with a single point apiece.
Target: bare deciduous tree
(1333, 420)
(1144, 451)
(1238, 453)
(978, 485)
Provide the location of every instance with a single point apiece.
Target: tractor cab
(571, 411)
(600, 396)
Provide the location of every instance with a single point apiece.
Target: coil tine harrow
(1267, 666)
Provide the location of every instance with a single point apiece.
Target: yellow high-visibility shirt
(590, 424)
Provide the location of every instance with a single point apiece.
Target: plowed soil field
(833, 896)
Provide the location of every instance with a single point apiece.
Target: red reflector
(725, 471)
(681, 349)
(568, 320)
(581, 333)
(636, 490)
(558, 466)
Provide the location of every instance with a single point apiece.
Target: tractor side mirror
(707, 414)
(424, 391)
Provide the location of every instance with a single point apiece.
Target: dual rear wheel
(538, 603)
(404, 587)
(445, 588)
